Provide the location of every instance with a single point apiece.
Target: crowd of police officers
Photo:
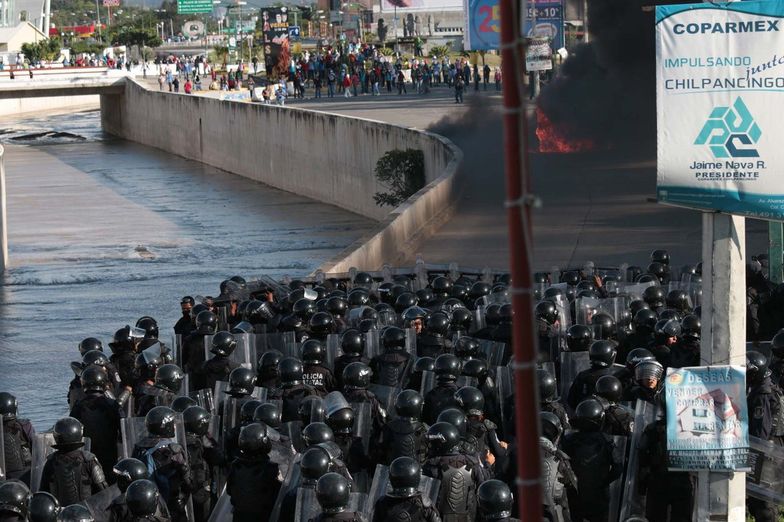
(384, 397)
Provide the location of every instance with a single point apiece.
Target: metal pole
(3, 216)
(529, 487)
(776, 239)
(722, 496)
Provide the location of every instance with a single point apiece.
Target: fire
(554, 139)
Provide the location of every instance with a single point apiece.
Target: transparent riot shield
(465, 380)
(428, 487)
(363, 423)
(3, 472)
(428, 382)
(572, 363)
(203, 398)
(386, 395)
(282, 454)
(290, 482)
(293, 430)
(616, 487)
(334, 402)
(244, 354)
(293, 350)
(504, 382)
(332, 346)
(274, 341)
(99, 503)
(634, 291)
(411, 340)
(177, 348)
(633, 502)
(585, 309)
(43, 448)
(134, 431)
(223, 510)
(765, 481)
(307, 506)
(479, 321)
(493, 351)
(372, 344)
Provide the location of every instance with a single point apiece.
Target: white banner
(719, 102)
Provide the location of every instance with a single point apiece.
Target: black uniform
(389, 369)
(346, 516)
(147, 396)
(484, 432)
(438, 399)
(193, 359)
(183, 326)
(72, 476)
(100, 418)
(591, 454)
(395, 509)
(585, 382)
(764, 415)
(253, 486)
(119, 511)
(319, 378)
(218, 369)
(402, 437)
(460, 475)
(557, 409)
(377, 411)
(686, 353)
(18, 437)
(429, 345)
(558, 479)
(292, 395)
(172, 474)
(341, 363)
(618, 419)
(203, 456)
(124, 362)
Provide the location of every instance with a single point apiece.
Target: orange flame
(554, 139)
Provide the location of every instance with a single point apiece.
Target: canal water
(103, 231)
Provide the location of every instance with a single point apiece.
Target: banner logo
(729, 131)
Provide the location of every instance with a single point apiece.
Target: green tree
(45, 50)
(403, 173)
(440, 51)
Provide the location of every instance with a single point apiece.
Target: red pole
(529, 487)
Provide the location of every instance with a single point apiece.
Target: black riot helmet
(443, 439)
(147, 363)
(169, 377)
(316, 433)
(665, 329)
(321, 324)
(602, 353)
(14, 496)
(75, 513)
(495, 500)
(506, 312)
(777, 344)
(476, 368)
(437, 324)
(142, 498)
(44, 507)
(254, 440)
(182, 403)
(404, 477)
(196, 420)
(756, 366)
(341, 421)
(197, 309)
(645, 321)
(239, 280)
(409, 404)
(242, 381)
(651, 369)
(551, 426)
(68, 433)
(493, 314)
(609, 387)
(363, 279)
(691, 328)
(337, 306)
(304, 308)
(425, 296)
(462, 319)
(149, 325)
(654, 296)
(637, 305)
(659, 271)
(466, 347)
(405, 301)
(352, 342)
(247, 410)
(479, 289)
(125, 339)
(447, 367)
(660, 256)
(603, 326)
(441, 286)
(589, 415)
(160, 422)
(678, 300)
(89, 344)
(471, 401)
(95, 357)
(223, 344)
(313, 352)
(357, 375)
(269, 414)
(94, 378)
(636, 356)
(548, 388)
(268, 364)
(456, 418)
(314, 464)
(670, 313)
(311, 409)
(413, 313)
(424, 364)
(579, 338)
(8, 406)
(332, 493)
(206, 322)
(258, 312)
(393, 339)
(129, 470)
(358, 297)
(546, 311)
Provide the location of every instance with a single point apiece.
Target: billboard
(422, 5)
(482, 31)
(194, 6)
(707, 418)
(275, 27)
(545, 20)
(719, 96)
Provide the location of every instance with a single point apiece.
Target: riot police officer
(71, 474)
(548, 396)
(495, 501)
(332, 493)
(389, 368)
(14, 497)
(442, 396)
(253, 481)
(433, 341)
(558, 479)
(356, 379)
(184, 324)
(686, 351)
(220, 366)
(602, 355)
(142, 499)
(648, 383)
(126, 471)
(268, 373)
(315, 373)
(292, 389)
(18, 435)
(353, 346)
(203, 456)
(171, 471)
(405, 435)
(403, 500)
(482, 430)
(100, 417)
(618, 420)
(421, 365)
(124, 346)
(43, 507)
(193, 349)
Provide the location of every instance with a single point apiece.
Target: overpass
(61, 81)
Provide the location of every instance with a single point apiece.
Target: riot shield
(244, 354)
(633, 502)
(291, 482)
(307, 507)
(3, 473)
(43, 447)
(363, 423)
(223, 510)
(504, 382)
(479, 320)
(428, 487)
(634, 291)
(292, 350)
(493, 351)
(572, 363)
(465, 380)
(281, 454)
(411, 340)
(616, 487)
(333, 402)
(386, 395)
(203, 398)
(428, 382)
(293, 430)
(99, 503)
(372, 344)
(333, 350)
(134, 431)
(765, 481)
(274, 341)
(177, 348)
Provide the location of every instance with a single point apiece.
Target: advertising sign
(707, 418)
(275, 27)
(111, 3)
(422, 5)
(545, 20)
(538, 55)
(719, 96)
(194, 6)
(482, 31)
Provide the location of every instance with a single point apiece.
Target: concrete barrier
(323, 156)
(13, 107)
